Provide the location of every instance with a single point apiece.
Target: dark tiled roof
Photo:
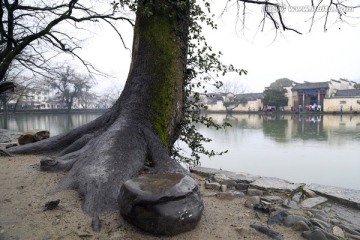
(310, 85)
(348, 93)
(248, 97)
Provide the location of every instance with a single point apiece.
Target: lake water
(321, 149)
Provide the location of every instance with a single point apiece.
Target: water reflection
(302, 148)
(56, 123)
(287, 128)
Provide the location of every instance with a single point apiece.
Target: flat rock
(272, 199)
(220, 178)
(237, 194)
(165, 203)
(312, 202)
(345, 196)
(271, 183)
(237, 177)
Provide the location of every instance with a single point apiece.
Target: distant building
(218, 102)
(343, 100)
(310, 93)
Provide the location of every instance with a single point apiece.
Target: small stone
(314, 235)
(338, 232)
(348, 230)
(290, 204)
(212, 186)
(353, 237)
(223, 188)
(84, 234)
(328, 235)
(297, 197)
(319, 223)
(272, 199)
(238, 194)
(225, 195)
(254, 192)
(335, 221)
(277, 217)
(292, 219)
(312, 202)
(321, 217)
(267, 231)
(300, 226)
(309, 214)
(251, 201)
(309, 193)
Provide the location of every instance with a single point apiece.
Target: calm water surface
(300, 148)
(311, 149)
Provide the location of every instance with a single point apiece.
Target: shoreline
(345, 196)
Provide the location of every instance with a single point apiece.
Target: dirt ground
(24, 190)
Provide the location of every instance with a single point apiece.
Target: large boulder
(33, 136)
(165, 203)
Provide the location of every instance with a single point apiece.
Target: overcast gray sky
(314, 56)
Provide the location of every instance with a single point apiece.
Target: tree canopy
(275, 97)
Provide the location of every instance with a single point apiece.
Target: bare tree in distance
(70, 86)
(138, 133)
(30, 29)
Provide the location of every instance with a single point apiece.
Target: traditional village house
(348, 100)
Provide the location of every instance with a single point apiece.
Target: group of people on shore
(313, 108)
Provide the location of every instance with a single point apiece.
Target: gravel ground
(25, 190)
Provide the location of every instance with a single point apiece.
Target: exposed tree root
(100, 160)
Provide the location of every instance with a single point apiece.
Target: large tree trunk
(135, 135)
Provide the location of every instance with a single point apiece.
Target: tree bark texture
(135, 135)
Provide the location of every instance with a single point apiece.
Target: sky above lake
(314, 56)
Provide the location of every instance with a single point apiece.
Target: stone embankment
(315, 211)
